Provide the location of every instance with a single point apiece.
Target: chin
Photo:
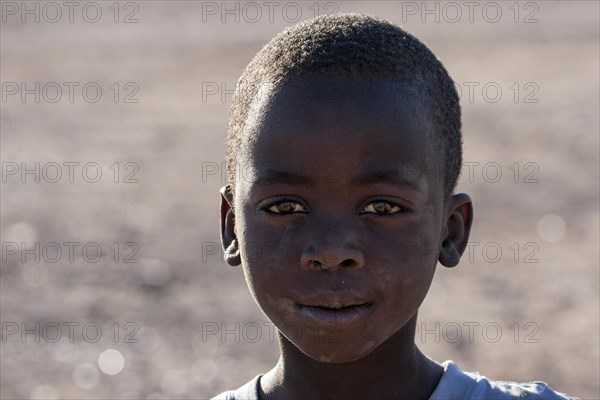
(333, 352)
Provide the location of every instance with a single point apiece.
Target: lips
(335, 309)
(332, 299)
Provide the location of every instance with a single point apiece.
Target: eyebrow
(283, 176)
(393, 177)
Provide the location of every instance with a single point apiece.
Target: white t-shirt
(454, 385)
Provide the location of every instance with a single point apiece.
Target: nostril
(313, 259)
(317, 265)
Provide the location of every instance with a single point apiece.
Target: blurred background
(113, 119)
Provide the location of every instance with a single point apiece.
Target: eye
(382, 207)
(286, 207)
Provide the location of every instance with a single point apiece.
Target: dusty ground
(529, 320)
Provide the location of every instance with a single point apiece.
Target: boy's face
(340, 214)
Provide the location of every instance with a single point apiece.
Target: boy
(344, 149)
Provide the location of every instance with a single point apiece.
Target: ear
(228, 238)
(457, 230)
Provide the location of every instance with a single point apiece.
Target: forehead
(371, 124)
(385, 101)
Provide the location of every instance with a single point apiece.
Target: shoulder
(456, 384)
(249, 391)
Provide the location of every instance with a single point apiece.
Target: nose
(331, 255)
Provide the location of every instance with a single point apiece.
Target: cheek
(270, 258)
(409, 245)
(271, 244)
(406, 259)
(269, 253)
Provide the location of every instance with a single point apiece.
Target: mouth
(339, 315)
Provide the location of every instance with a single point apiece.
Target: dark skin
(339, 219)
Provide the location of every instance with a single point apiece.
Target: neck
(396, 369)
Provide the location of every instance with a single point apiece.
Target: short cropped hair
(352, 46)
